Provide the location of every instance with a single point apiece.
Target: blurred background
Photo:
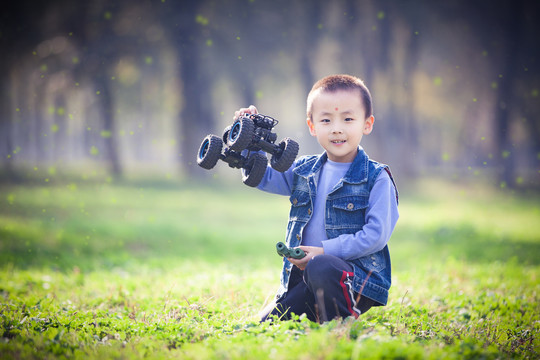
(122, 88)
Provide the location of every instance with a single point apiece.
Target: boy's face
(338, 122)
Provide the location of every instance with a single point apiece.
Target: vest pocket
(348, 211)
(300, 204)
(350, 203)
(374, 262)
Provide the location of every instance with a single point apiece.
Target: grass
(90, 270)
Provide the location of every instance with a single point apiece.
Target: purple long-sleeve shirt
(381, 213)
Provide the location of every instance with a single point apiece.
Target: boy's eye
(325, 120)
(349, 119)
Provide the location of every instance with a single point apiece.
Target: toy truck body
(254, 134)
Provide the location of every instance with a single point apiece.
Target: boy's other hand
(311, 251)
(249, 110)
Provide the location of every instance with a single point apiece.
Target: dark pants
(323, 291)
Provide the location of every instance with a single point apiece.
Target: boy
(343, 210)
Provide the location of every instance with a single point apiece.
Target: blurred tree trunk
(376, 37)
(248, 91)
(6, 151)
(392, 124)
(91, 28)
(529, 79)
(373, 21)
(308, 45)
(196, 118)
(60, 132)
(413, 18)
(506, 100)
(186, 34)
(18, 34)
(109, 133)
(39, 122)
(244, 66)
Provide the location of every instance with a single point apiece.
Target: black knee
(319, 271)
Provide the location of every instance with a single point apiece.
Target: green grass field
(90, 270)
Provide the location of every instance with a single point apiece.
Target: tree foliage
(131, 84)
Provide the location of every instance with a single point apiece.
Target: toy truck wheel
(226, 133)
(209, 152)
(254, 171)
(289, 150)
(241, 134)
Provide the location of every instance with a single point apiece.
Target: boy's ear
(311, 127)
(368, 125)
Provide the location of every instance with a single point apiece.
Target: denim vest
(346, 207)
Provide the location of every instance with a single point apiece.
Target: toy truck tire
(288, 154)
(254, 171)
(241, 134)
(226, 133)
(209, 152)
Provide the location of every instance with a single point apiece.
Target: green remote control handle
(295, 253)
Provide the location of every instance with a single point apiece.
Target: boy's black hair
(333, 83)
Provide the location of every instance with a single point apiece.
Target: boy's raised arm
(276, 182)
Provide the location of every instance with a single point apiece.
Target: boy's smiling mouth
(338, 141)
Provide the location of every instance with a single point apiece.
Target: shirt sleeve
(276, 182)
(381, 217)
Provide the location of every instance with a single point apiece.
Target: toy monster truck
(295, 253)
(253, 133)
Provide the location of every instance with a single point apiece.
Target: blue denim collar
(357, 174)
